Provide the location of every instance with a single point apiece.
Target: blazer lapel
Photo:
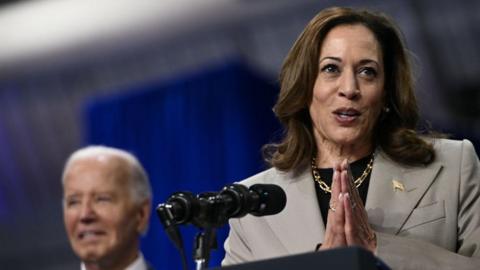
(394, 191)
(299, 226)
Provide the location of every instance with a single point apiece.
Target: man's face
(101, 220)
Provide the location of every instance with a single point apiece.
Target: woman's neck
(328, 153)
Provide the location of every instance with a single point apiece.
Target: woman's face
(348, 94)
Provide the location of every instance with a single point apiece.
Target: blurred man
(106, 208)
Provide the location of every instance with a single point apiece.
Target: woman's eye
(330, 68)
(368, 72)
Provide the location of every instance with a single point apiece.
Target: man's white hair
(139, 183)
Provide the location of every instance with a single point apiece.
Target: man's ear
(143, 213)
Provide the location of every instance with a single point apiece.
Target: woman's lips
(346, 116)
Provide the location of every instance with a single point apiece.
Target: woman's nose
(349, 86)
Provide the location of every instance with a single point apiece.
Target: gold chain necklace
(327, 189)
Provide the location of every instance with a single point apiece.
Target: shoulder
(269, 176)
(458, 157)
(448, 153)
(276, 176)
(447, 149)
(440, 143)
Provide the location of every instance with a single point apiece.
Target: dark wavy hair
(395, 131)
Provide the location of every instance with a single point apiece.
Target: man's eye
(330, 68)
(72, 202)
(104, 199)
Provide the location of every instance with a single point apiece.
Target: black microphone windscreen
(272, 199)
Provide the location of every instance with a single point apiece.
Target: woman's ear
(385, 108)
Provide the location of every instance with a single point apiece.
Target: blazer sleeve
(407, 253)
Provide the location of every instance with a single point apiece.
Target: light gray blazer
(434, 223)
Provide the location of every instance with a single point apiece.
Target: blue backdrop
(197, 133)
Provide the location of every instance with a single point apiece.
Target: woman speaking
(353, 167)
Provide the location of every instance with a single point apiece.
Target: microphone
(258, 200)
(211, 209)
(178, 209)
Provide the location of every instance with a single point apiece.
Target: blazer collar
(388, 207)
(299, 226)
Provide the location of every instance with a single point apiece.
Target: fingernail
(340, 196)
(347, 196)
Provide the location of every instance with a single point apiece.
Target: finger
(339, 213)
(336, 190)
(336, 185)
(357, 230)
(351, 231)
(344, 182)
(339, 226)
(348, 189)
(354, 195)
(334, 232)
(346, 177)
(354, 202)
(331, 222)
(351, 180)
(344, 164)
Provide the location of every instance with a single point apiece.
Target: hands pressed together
(347, 221)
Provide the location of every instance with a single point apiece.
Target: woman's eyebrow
(368, 61)
(331, 58)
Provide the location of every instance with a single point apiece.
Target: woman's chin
(350, 140)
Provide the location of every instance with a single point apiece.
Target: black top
(323, 197)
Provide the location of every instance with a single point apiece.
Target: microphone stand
(164, 212)
(204, 242)
(210, 216)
